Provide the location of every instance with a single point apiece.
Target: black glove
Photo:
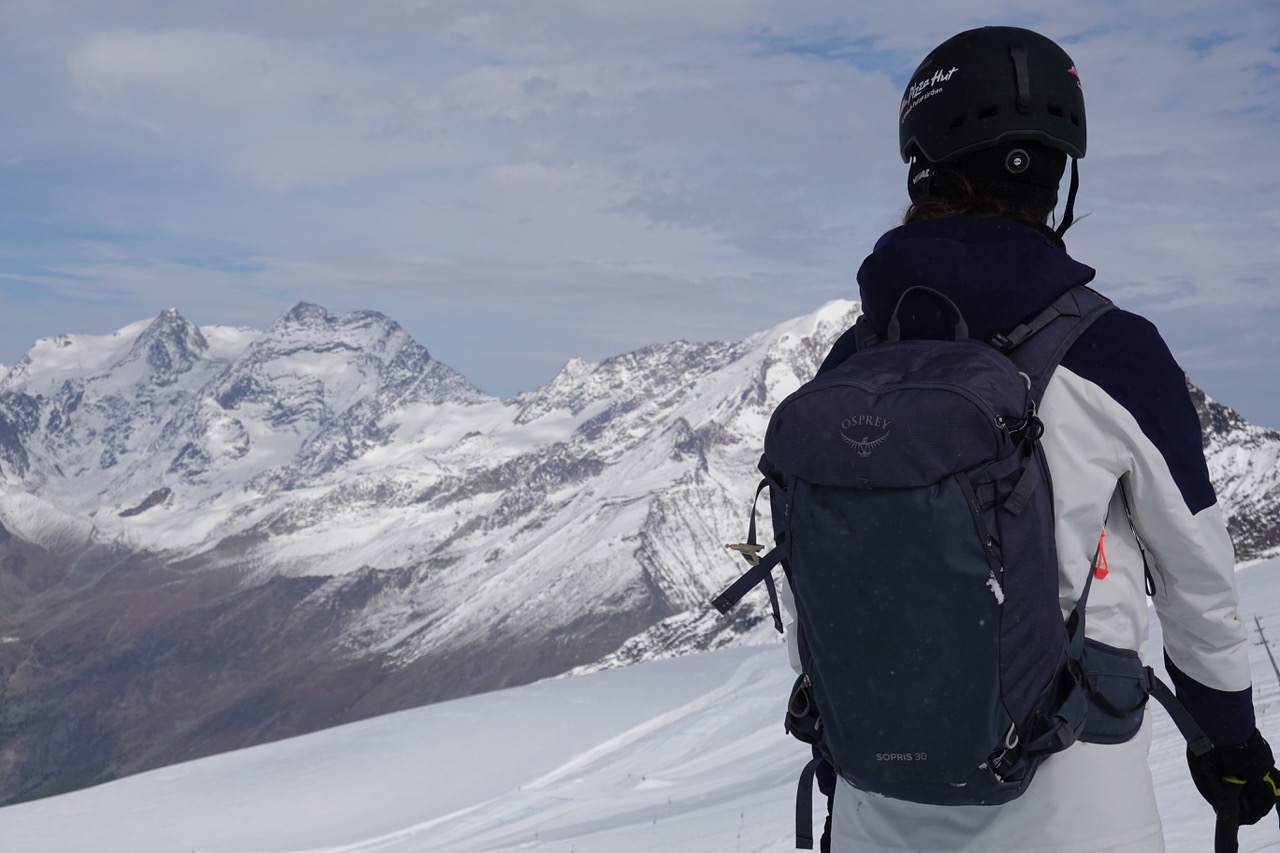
(1240, 782)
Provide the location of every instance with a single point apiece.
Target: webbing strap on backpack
(761, 569)
(1197, 742)
(804, 805)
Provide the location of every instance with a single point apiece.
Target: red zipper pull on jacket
(1101, 569)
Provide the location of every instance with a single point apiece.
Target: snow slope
(680, 755)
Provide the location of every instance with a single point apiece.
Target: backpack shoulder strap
(864, 335)
(1039, 344)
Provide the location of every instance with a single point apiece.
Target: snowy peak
(311, 326)
(169, 347)
(306, 314)
(149, 354)
(105, 422)
(654, 377)
(1244, 464)
(695, 377)
(353, 356)
(52, 362)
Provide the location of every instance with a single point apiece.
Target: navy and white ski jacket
(1118, 420)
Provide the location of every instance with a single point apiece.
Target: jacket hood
(998, 272)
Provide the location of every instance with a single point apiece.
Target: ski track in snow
(685, 755)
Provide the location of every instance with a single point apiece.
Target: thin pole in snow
(1274, 668)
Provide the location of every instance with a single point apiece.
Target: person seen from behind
(988, 124)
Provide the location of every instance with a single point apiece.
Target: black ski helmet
(990, 88)
(991, 85)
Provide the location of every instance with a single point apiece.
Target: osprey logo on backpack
(864, 443)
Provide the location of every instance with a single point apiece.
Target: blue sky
(518, 183)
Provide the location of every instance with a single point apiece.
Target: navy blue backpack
(913, 517)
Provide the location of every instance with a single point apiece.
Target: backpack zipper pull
(1101, 568)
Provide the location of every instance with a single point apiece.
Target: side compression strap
(761, 569)
(1196, 740)
(759, 572)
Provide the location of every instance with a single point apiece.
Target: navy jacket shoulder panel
(1227, 718)
(1125, 355)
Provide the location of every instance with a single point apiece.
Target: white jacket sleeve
(1126, 389)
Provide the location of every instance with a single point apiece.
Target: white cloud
(279, 114)
(584, 157)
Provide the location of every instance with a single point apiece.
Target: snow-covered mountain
(1244, 462)
(215, 536)
(252, 534)
(682, 755)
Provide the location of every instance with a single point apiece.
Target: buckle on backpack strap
(750, 552)
(1006, 757)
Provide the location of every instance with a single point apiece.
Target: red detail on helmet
(1072, 70)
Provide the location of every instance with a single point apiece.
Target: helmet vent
(957, 121)
(1075, 119)
(989, 111)
(1056, 111)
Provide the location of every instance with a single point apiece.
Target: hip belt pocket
(1115, 683)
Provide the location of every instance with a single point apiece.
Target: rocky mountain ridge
(212, 537)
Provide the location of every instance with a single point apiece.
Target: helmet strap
(919, 177)
(1069, 212)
